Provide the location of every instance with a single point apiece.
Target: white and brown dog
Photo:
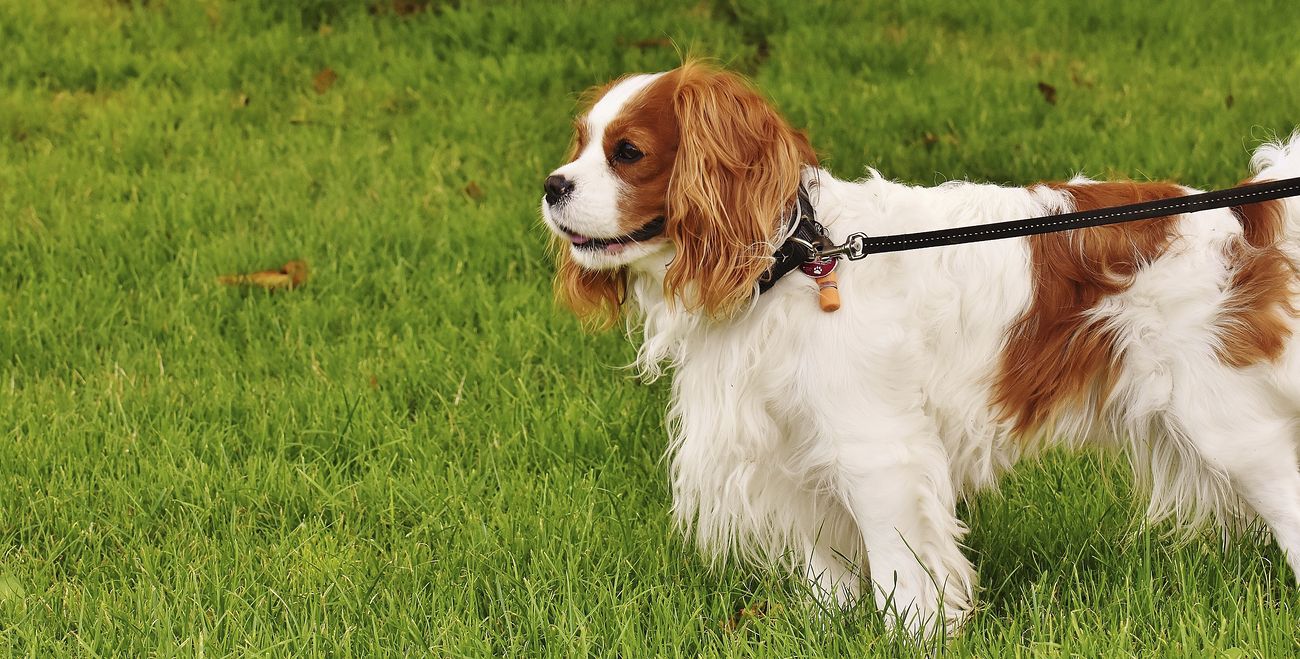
(834, 440)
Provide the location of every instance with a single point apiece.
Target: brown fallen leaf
(409, 7)
(1228, 101)
(399, 7)
(291, 275)
(658, 42)
(929, 139)
(473, 191)
(751, 612)
(324, 80)
(1048, 92)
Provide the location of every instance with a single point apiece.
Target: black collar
(802, 236)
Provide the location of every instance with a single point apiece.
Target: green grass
(417, 454)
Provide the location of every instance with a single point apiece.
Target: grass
(417, 454)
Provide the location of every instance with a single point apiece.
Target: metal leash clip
(853, 248)
(821, 269)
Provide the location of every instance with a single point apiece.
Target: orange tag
(828, 291)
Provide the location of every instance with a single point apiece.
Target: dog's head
(691, 167)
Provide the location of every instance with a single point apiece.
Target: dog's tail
(1280, 160)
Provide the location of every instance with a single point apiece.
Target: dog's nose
(557, 188)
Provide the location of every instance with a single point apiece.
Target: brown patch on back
(1055, 355)
(1261, 223)
(1254, 326)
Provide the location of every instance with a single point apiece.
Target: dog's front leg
(895, 482)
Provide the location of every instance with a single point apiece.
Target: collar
(803, 237)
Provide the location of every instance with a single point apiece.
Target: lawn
(417, 453)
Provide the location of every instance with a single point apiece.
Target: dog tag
(828, 282)
(820, 268)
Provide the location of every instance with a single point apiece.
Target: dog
(840, 443)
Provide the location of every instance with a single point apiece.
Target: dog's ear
(735, 176)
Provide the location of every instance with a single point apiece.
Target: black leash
(808, 241)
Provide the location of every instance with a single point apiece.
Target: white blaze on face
(592, 208)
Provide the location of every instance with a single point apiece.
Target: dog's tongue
(578, 240)
(614, 248)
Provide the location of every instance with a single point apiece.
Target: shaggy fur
(838, 440)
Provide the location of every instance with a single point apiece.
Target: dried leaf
(473, 191)
(1048, 92)
(324, 80)
(399, 7)
(659, 42)
(325, 30)
(291, 275)
(409, 7)
(929, 139)
(240, 101)
(1229, 101)
(753, 611)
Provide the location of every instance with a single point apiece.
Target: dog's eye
(626, 152)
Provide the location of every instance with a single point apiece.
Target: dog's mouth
(651, 229)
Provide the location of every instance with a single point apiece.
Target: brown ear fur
(595, 296)
(737, 168)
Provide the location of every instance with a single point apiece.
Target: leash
(807, 246)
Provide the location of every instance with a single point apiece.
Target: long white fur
(839, 442)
